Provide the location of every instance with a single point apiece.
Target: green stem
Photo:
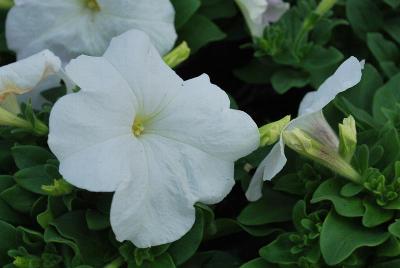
(115, 263)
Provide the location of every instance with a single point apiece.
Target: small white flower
(161, 143)
(73, 27)
(25, 75)
(260, 13)
(310, 120)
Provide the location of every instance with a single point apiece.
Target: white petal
(102, 166)
(269, 168)
(24, 75)
(69, 28)
(200, 116)
(155, 18)
(94, 117)
(160, 211)
(316, 125)
(253, 11)
(151, 80)
(275, 10)
(346, 76)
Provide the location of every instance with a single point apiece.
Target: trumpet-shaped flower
(260, 13)
(23, 76)
(161, 143)
(74, 27)
(310, 125)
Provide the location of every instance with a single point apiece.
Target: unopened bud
(177, 55)
(347, 138)
(270, 133)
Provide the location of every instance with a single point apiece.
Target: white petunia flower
(73, 27)
(260, 13)
(24, 75)
(310, 120)
(161, 143)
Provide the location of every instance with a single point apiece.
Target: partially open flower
(310, 129)
(71, 28)
(161, 143)
(19, 78)
(260, 13)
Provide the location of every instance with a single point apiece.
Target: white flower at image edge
(161, 143)
(260, 13)
(70, 28)
(311, 120)
(25, 75)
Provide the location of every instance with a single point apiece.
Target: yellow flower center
(138, 127)
(93, 5)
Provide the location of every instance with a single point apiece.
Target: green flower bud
(177, 55)
(9, 119)
(347, 138)
(309, 147)
(270, 133)
(58, 188)
(324, 6)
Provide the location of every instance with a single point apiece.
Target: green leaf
(385, 51)
(387, 97)
(394, 228)
(351, 189)
(359, 14)
(393, 3)
(375, 215)
(33, 178)
(340, 237)
(97, 221)
(279, 251)
(184, 10)
(8, 240)
(264, 210)
(285, 79)
(19, 199)
(9, 215)
(199, 31)
(392, 27)
(26, 156)
(95, 249)
(186, 247)
(6, 182)
(259, 263)
(362, 94)
(329, 190)
(388, 264)
(219, 10)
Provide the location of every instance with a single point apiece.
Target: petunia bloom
(310, 122)
(71, 28)
(260, 13)
(161, 143)
(23, 76)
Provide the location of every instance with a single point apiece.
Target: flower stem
(118, 262)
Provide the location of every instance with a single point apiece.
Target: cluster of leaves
(336, 222)
(302, 42)
(195, 20)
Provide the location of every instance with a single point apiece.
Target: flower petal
(98, 115)
(24, 75)
(253, 11)
(207, 122)
(269, 168)
(155, 18)
(152, 81)
(70, 28)
(346, 76)
(316, 125)
(275, 10)
(161, 210)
